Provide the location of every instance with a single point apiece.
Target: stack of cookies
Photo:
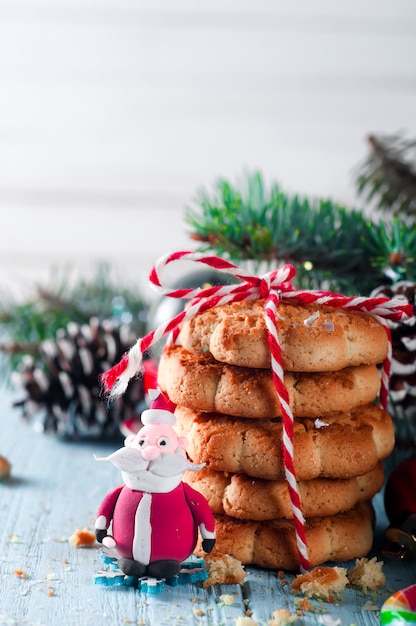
(220, 377)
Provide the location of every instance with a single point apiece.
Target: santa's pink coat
(172, 529)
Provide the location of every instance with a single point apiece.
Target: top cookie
(313, 338)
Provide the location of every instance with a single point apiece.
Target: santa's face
(154, 460)
(155, 441)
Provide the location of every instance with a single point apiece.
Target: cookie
(313, 338)
(242, 497)
(208, 385)
(350, 444)
(272, 544)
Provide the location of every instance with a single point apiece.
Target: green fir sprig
(330, 245)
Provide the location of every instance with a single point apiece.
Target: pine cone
(63, 392)
(403, 367)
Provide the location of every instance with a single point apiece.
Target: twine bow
(273, 287)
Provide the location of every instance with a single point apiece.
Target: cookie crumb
(5, 468)
(82, 538)
(367, 574)
(282, 617)
(20, 573)
(321, 582)
(223, 569)
(305, 605)
(227, 599)
(245, 621)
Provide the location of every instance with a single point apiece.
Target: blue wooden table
(55, 487)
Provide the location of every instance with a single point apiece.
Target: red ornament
(400, 492)
(400, 505)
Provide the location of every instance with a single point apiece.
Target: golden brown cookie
(243, 497)
(272, 544)
(207, 385)
(313, 338)
(351, 444)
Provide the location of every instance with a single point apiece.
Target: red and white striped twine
(273, 287)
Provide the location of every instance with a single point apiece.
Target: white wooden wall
(113, 113)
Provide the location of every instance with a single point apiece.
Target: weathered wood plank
(55, 488)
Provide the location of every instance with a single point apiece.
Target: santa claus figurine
(152, 520)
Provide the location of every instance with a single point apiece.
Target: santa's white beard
(158, 476)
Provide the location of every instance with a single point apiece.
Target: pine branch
(393, 249)
(388, 175)
(329, 245)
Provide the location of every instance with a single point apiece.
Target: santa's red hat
(161, 409)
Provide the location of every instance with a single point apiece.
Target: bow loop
(264, 287)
